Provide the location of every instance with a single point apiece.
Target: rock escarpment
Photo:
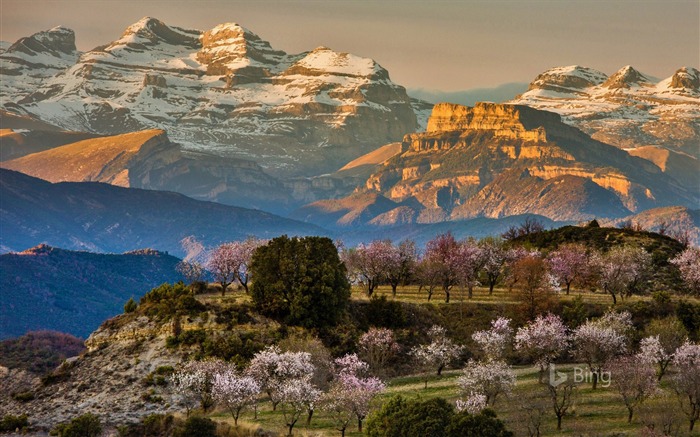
(497, 160)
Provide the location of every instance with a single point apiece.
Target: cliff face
(497, 160)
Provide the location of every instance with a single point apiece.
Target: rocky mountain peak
(686, 77)
(323, 60)
(59, 41)
(150, 31)
(626, 77)
(41, 249)
(229, 47)
(564, 79)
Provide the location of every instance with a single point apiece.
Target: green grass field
(598, 412)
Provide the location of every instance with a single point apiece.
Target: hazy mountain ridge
(228, 93)
(104, 218)
(628, 109)
(74, 292)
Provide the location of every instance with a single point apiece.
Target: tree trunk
(308, 418)
(447, 296)
(559, 422)
(439, 370)
(491, 285)
(359, 424)
(342, 432)
(595, 380)
(393, 289)
(614, 298)
(629, 416)
(224, 286)
(568, 286)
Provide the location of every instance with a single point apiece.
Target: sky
(434, 45)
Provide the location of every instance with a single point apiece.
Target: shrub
(130, 306)
(11, 423)
(484, 424)
(87, 425)
(24, 396)
(197, 427)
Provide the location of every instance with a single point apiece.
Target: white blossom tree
(686, 381)
(663, 337)
(543, 340)
(622, 269)
(234, 391)
(440, 352)
(194, 382)
(473, 403)
(635, 380)
(494, 257)
(490, 379)
(688, 262)
(272, 369)
(377, 346)
(242, 253)
(467, 260)
(371, 262)
(494, 342)
(296, 397)
(597, 342)
(401, 264)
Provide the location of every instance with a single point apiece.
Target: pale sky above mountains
(439, 45)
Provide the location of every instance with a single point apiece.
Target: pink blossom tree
(401, 264)
(494, 342)
(242, 256)
(686, 381)
(569, 263)
(192, 271)
(467, 260)
(688, 262)
(234, 391)
(377, 346)
(663, 337)
(371, 262)
(489, 379)
(440, 258)
(635, 380)
(222, 264)
(542, 340)
(439, 353)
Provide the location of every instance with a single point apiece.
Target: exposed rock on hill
(105, 218)
(497, 160)
(628, 109)
(225, 92)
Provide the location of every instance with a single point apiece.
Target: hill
(39, 351)
(67, 291)
(148, 159)
(105, 218)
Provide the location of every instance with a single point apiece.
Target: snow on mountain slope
(227, 92)
(628, 109)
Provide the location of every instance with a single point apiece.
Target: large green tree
(300, 281)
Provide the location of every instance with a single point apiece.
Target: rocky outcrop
(628, 109)
(235, 97)
(496, 160)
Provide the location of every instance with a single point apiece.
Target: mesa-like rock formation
(629, 109)
(224, 92)
(497, 160)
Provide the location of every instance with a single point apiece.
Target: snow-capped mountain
(224, 91)
(628, 109)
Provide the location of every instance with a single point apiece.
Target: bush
(24, 396)
(168, 300)
(197, 427)
(11, 423)
(130, 306)
(399, 417)
(87, 425)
